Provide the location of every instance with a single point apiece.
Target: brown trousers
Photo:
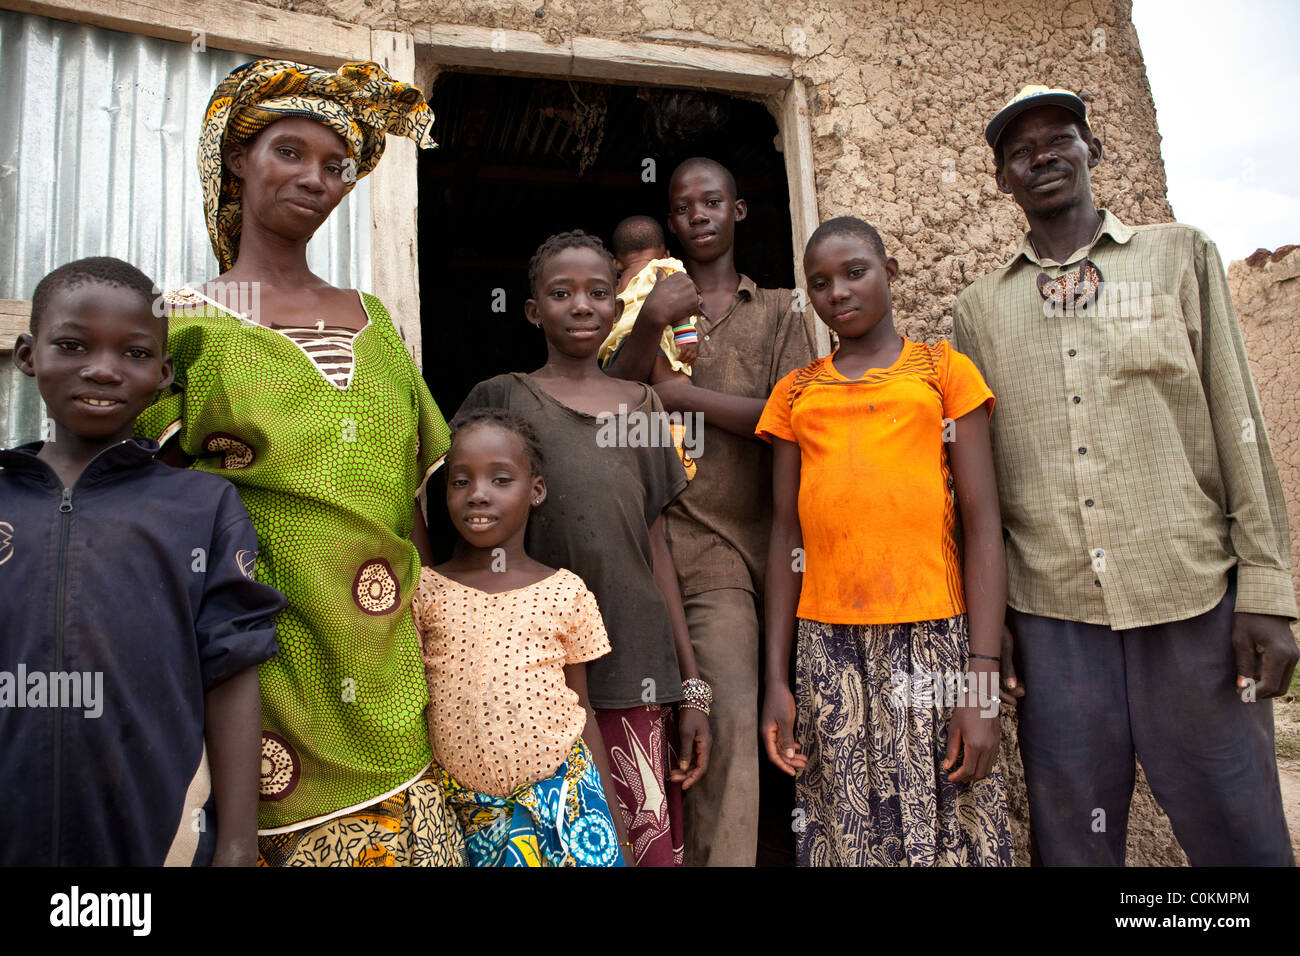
(721, 809)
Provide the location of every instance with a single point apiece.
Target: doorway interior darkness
(522, 158)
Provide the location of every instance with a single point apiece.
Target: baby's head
(572, 283)
(97, 347)
(636, 241)
(849, 276)
(494, 476)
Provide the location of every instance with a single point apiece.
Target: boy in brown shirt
(718, 527)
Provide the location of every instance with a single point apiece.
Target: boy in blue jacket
(130, 623)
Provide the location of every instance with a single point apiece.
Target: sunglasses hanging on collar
(1074, 290)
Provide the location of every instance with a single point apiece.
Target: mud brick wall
(1266, 293)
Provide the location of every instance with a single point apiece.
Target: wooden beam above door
(605, 60)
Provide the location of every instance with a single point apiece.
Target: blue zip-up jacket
(123, 600)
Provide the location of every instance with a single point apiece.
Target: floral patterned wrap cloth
(560, 821)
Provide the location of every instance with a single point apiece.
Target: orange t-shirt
(875, 507)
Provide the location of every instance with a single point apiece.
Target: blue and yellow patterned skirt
(560, 821)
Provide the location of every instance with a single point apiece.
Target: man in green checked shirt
(1148, 577)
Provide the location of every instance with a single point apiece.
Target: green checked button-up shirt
(1133, 465)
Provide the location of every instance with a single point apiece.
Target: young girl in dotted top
(894, 719)
(612, 473)
(505, 643)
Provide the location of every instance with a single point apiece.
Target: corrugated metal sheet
(21, 408)
(98, 135)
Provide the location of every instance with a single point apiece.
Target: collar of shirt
(746, 291)
(129, 453)
(1110, 226)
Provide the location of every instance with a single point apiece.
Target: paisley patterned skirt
(560, 821)
(411, 828)
(874, 792)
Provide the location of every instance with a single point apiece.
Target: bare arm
(666, 580)
(420, 536)
(968, 343)
(985, 581)
(781, 599)
(664, 371)
(732, 413)
(233, 715)
(575, 675)
(985, 571)
(696, 740)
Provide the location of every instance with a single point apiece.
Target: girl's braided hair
(577, 239)
(512, 423)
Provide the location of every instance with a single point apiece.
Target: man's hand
(1012, 688)
(1266, 652)
(672, 301)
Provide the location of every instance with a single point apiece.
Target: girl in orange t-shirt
(892, 733)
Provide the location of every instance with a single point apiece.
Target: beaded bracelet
(698, 694)
(685, 334)
(986, 657)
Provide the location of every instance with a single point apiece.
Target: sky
(1226, 82)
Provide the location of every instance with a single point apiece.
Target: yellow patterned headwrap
(360, 102)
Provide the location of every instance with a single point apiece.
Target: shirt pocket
(1144, 334)
(735, 367)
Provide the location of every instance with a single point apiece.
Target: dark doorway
(520, 159)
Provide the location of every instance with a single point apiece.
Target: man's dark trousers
(1095, 697)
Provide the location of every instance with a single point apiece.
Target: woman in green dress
(304, 396)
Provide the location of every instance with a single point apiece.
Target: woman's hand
(975, 726)
(776, 728)
(693, 750)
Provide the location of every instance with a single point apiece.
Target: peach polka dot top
(500, 713)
